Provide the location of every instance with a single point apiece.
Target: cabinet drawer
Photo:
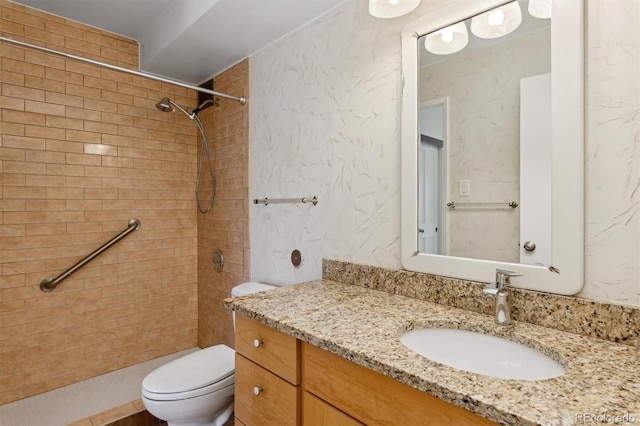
(272, 349)
(316, 412)
(276, 402)
(373, 398)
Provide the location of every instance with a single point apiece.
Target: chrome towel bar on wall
(512, 204)
(304, 200)
(49, 284)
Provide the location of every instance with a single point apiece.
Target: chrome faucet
(501, 292)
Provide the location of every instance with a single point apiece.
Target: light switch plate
(464, 188)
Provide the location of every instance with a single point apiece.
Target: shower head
(164, 105)
(167, 105)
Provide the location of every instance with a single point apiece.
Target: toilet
(196, 389)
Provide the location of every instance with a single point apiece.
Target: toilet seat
(177, 396)
(197, 374)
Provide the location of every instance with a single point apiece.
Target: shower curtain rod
(241, 99)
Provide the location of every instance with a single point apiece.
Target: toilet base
(212, 409)
(220, 419)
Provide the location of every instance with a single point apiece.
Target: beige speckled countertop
(362, 325)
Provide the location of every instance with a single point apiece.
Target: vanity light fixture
(447, 40)
(540, 9)
(497, 22)
(391, 8)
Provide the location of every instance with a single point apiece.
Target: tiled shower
(82, 151)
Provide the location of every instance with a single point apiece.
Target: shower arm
(191, 115)
(197, 109)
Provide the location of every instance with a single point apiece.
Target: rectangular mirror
(492, 142)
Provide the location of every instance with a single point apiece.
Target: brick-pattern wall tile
(225, 226)
(82, 151)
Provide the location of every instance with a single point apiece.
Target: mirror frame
(567, 92)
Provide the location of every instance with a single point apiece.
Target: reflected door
(428, 240)
(535, 170)
(430, 198)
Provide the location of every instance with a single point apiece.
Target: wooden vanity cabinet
(316, 412)
(372, 398)
(282, 381)
(267, 375)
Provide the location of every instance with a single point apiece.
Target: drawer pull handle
(257, 390)
(257, 343)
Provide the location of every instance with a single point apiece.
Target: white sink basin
(482, 354)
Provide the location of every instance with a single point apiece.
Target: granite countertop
(362, 325)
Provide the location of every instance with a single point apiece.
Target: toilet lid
(193, 371)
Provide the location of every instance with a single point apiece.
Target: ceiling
(191, 40)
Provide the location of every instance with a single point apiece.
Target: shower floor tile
(83, 399)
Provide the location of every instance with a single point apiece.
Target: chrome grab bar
(49, 284)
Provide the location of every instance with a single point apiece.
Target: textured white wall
(324, 120)
(612, 155)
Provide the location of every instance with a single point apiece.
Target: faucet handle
(503, 276)
(490, 290)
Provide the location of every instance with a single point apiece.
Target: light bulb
(540, 9)
(496, 18)
(497, 22)
(391, 8)
(447, 40)
(447, 35)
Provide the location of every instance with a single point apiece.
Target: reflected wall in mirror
(492, 142)
(472, 185)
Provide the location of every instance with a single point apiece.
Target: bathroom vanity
(325, 352)
(281, 380)
(267, 388)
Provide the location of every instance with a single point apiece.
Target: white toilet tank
(249, 288)
(245, 289)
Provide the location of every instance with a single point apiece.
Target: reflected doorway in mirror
(432, 176)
